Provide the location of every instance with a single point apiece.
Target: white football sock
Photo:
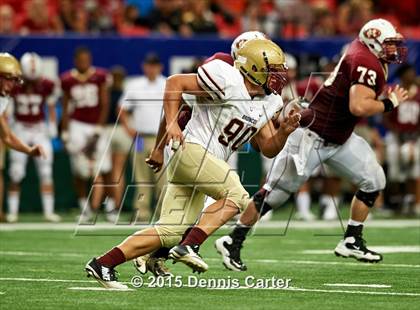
(84, 205)
(303, 202)
(48, 203)
(329, 202)
(239, 223)
(13, 201)
(109, 205)
(354, 223)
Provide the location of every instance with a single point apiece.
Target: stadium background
(115, 45)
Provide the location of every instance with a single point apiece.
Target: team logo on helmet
(372, 33)
(240, 43)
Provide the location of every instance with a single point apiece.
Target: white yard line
(272, 224)
(100, 289)
(241, 287)
(218, 259)
(51, 280)
(300, 289)
(359, 264)
(22, 253)
(351, 292)
(357, 285)
(385, 249)
(46, 280)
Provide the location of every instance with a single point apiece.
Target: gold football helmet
(263, 63)
(9, 66)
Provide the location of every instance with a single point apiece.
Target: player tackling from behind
(351, 92)
(227, 112)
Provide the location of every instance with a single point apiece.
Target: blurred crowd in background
(131, 128)
(393, 136)
(225, 18)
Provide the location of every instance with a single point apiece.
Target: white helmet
(291, 61)
(31, 65)
(244, 37)
(380, 36)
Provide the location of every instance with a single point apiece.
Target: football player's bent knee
(260, 204)
(367, 198)
(170, 235)
(375, 179)
(239, 197)
(17, 173)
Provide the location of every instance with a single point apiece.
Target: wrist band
(388, 105)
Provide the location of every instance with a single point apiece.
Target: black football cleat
(356, 247)
(231, 253)
(188, 254)
(106, 276)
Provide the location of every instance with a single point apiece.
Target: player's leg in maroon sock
(112, 258)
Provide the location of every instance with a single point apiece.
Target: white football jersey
(4, 101)
(228, 118)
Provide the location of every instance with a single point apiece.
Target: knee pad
(17, 172)
(367, 198)
(259, 201)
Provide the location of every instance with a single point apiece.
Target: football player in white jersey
(228, 112)
(10, 76)
(155, 262)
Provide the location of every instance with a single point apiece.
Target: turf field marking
(312, 262)
(2, 293)
(46, 280)
(264, 261)
(358, 285)
(241, 287)
(100, 289)
(52, 280)
(360, 264)
(382, 249)
(350, 292)
(272, 224)
(300, 289)
(22, 253)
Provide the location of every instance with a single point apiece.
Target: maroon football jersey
(334, 121)
(29, 100)
(221, 56)
(406, 118)
(308, 87)
(84, 94)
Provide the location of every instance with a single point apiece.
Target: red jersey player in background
(351, 92)
(10, 76)
(30, 101)
(85, 108)
(403, 146)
